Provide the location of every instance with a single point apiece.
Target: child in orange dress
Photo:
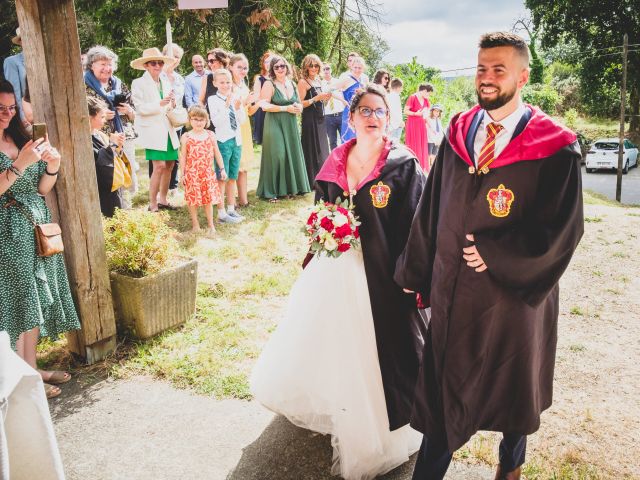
(198, 149)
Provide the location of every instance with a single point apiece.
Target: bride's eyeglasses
(366, 112)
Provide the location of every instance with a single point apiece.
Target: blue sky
(443, 33)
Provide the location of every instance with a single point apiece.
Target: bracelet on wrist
(15, 171)
(46, 170)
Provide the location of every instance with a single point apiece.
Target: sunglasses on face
(154, 63)
(385, 78)
(212, 60)
(9, 109)
(314, 65)
(279, 67)
(366, 112)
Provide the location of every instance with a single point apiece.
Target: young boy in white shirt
(226, 116)
(396, 123)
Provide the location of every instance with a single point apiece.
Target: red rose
(342, 231)
(356, 232)
(343, 210)
(312, 218)
(343, 247)
(326, 224)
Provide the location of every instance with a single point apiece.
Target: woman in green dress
(282, 167)
(35, 299)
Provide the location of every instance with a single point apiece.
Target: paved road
(145, 429)
(604, 182)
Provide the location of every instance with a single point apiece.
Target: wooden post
(623, 99)
(52, 56)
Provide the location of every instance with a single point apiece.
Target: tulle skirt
(320, 369)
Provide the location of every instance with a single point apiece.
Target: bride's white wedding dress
(320, 369)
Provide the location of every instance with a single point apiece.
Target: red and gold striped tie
(487, 152)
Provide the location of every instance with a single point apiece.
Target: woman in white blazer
(153, 97)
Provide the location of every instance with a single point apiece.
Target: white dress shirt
(333, 105)
(395, 110)
(220, 118)
(509, 124)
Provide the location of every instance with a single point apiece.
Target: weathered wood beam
(52, 55)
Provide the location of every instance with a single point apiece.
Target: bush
(138, 243)
(543, 96)
(571, 118)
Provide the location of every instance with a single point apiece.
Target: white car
(604, 154)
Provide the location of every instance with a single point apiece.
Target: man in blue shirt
(193, 81)
(15, 71)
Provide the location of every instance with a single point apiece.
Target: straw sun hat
(148, 55)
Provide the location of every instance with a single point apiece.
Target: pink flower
(343, 247)
(312, 218)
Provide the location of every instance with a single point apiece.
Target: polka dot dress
(34, 291)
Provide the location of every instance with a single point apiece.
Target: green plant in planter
(153, 287)
(139, 243)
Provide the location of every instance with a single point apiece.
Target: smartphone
(39, 131)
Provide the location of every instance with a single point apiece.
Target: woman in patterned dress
(35, 299)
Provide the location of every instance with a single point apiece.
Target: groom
(497, 224)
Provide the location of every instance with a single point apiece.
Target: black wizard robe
(385, 203)
(490, 350)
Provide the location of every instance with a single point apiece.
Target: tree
(597, 27)
(248, 30)
(536, 64)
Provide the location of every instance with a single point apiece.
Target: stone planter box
(146, 306)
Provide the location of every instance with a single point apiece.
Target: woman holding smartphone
(35, 299)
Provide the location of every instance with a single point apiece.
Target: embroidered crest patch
(380, 195)
(500, 200)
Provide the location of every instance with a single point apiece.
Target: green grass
(576, 311)
(593, 219)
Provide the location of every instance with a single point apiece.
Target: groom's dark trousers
(434, 457)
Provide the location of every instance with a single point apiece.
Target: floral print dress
(200, 185)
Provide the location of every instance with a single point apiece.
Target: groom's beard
(500, 101)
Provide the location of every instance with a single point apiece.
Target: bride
(344, 359)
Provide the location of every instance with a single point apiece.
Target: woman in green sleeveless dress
(282, 167)
(35, 299)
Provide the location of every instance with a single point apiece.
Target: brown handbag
(48, 239)
(48, 236)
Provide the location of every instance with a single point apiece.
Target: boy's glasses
(366, 112)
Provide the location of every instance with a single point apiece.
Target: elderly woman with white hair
(99, 65)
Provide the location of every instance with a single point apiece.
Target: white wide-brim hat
(148, 55)
(17, 40)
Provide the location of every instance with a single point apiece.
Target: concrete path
(143, 429)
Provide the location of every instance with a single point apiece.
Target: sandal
(56, 377)
(273, 200)
(166, 206)
(51, 391)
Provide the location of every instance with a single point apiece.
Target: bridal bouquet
(332, 229)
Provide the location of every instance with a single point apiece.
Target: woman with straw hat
(154, 98)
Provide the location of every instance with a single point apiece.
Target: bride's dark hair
(15, 131)
(371, 89)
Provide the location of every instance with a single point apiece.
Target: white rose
(339, 219)
(330, 243)
(322, 214)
